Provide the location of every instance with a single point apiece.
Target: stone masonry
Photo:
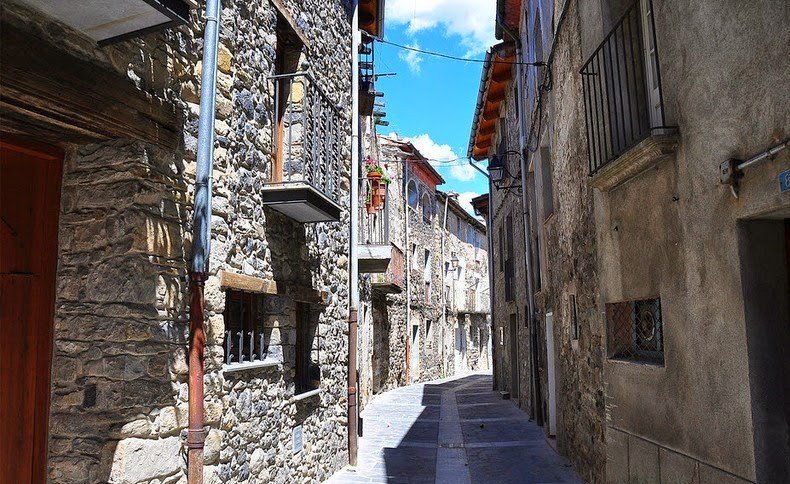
(119, 379)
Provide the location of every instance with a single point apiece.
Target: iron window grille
(623, 99)
(635, 330)
(245, 337)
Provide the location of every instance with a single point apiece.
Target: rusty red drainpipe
(197, 342)
(201, 243)
(352, 387)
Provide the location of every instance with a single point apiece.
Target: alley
(452, 431)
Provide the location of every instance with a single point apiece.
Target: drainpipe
(444, 276)
(408, 265)
(353, 239)
(533, 371)
(201, 243)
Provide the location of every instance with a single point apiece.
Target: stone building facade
(404, 343)
(121, 120)
(646, 267)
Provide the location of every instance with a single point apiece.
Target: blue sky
(431, 100)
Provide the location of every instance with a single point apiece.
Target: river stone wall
(119, 375)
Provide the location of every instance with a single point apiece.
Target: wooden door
(29, 200)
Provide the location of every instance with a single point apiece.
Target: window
(635, 330)
(414, 262)
(501, 248)
(477, 246)
(427, 209)
(461, 230)
(308, 373)
(413, 197)
(429, 330)
(427, 292)
(536, 227)
(574, 317)
(244, 333)
(288, 50)
(509, 263)
(547, 189)
(427, 268)
(470, 235)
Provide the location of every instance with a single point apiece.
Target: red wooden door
(29, 200)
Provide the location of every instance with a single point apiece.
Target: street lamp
(499, 173)
(454, 262)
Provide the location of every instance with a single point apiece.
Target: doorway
(765, 278)
(552, 379)
(30, 176)
(460, 346)
(414, 361)
(514, 356)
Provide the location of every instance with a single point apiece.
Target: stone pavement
(452, 431)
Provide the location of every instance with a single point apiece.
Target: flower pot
(382, 190)
(370, 208)
(375, 199)
(374, 175)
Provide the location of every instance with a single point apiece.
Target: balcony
(375, 250)
(308, 137)
(623, 101)
(393, 280)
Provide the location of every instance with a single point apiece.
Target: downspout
(491, 295)
(408, 265)
(201, 243)
(527, 229)
(444, 283)
(353, 239)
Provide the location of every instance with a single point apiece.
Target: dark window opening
(509, 263)
(308, 373)
(574, 318)
(635, 330)
(246, 339)
(547, 189)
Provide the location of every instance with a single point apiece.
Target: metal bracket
(194, 439)
(729, 174)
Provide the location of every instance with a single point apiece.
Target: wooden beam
(243, 282)
(278, 4)
(57, 97)
(487, 128)
(491, 113)
(501, 76)
(495, 96)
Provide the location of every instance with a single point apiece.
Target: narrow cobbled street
(452, 431)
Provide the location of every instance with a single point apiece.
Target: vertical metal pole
(353, 239)
(527, 231)
(201, 245)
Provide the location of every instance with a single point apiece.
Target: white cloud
(431, 149)
(438, 153)
(471, 20)
(465, 200)
(463, 172)
(411, 58)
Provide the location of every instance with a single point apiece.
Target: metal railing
(623, 100)
(308, 134)
(245, 346)
(374, 228)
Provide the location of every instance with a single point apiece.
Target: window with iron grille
(635, 330)
(245, 338)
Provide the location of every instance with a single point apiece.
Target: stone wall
(119, 388)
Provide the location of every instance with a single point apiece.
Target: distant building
(443, 330)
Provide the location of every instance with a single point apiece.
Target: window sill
(645, 154)
(250, 365)
(306, 395)
(638, 362)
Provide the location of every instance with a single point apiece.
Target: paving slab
(452, 431)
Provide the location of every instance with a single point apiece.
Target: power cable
(456, 58)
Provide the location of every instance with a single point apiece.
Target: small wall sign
(297, 442)
(784, 181)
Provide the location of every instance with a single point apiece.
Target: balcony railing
(308, 139)
(622, 88)
(374, 228)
